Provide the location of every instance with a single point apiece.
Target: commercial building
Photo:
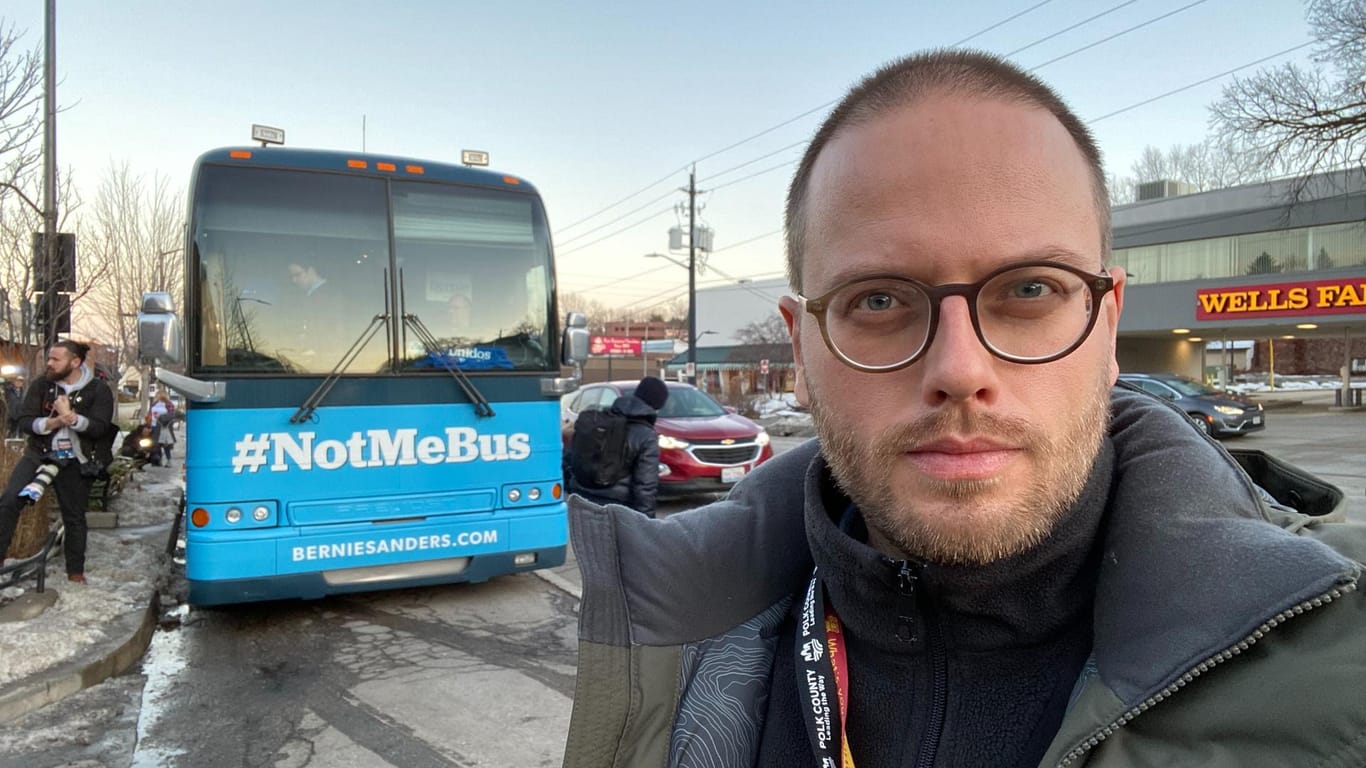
(1278, 263)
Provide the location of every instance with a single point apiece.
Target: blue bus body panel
(368, 486)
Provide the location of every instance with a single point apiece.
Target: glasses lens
(1034, 312)
(878, 322)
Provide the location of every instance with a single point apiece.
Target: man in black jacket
(67, 416)
(639, 487)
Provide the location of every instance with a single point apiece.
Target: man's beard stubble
(54, 374)
(982, 530)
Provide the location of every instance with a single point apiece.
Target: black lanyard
(822, 666)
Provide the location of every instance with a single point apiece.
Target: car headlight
(1229, 410)
(667, 442)
(761, 439)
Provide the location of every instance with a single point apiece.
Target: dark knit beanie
(653, 392)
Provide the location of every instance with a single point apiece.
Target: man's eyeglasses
(1030, 312)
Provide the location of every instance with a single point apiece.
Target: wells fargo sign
(1310, 298)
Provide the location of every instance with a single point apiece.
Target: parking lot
(1304, 429)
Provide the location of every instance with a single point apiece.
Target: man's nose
(956, 365)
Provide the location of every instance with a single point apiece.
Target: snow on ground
(123, 566)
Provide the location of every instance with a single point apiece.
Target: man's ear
(1112, 311)
(792, 313)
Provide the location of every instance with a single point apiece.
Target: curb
(559, 582)
(54, 686)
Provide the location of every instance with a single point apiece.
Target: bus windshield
(294, 266)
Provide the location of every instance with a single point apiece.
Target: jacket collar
(1191, 565)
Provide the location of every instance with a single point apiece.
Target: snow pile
(123, 565)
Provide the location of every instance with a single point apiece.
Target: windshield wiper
(481, 404)
(310, 405)
(482, 407)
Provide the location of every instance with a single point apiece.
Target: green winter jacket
(1229, 629)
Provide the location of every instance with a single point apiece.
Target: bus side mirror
(159, 338)
(574, 350)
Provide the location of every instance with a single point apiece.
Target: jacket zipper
(906, 578)
(1237, 648)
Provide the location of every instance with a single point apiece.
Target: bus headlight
(533, 494)
(260, 514)
(234, 515)
(514, 495)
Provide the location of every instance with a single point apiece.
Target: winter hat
(653, 392)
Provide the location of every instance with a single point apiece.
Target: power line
(1200, 82)
(619, 218)
(981, 32)
(636, 276)
(1065, 30)
(747, 242)
(793, 145)
(771, 169)
(1121, 33)
(651, 217)
(640, 191)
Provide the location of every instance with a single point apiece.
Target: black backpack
(598, 453)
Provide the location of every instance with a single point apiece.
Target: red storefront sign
(1302, 299)
(614, 345)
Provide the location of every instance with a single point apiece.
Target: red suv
(703, 446)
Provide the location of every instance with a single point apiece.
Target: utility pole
(50, 173)
(692, 274)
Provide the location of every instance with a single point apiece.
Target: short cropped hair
(908, 80)
(77, 349)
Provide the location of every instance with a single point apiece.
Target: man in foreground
(67, 416)
(992, 558)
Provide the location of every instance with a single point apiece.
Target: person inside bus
(459, 313)
(306, 277)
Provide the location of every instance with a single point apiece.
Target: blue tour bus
(372, 360)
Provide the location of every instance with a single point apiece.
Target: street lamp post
(692, 305)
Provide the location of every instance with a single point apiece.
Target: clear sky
(593, 102)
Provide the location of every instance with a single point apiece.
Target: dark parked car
(1219, 414)
(703, 446)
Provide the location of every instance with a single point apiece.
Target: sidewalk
(101, 629)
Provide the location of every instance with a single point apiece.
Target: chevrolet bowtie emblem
(728, 441)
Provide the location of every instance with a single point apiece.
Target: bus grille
(726, 454)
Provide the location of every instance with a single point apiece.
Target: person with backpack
(614, 454)
(68, 418)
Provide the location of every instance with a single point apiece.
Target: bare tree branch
(1289, 120)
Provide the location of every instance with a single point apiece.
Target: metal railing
(34, 565)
